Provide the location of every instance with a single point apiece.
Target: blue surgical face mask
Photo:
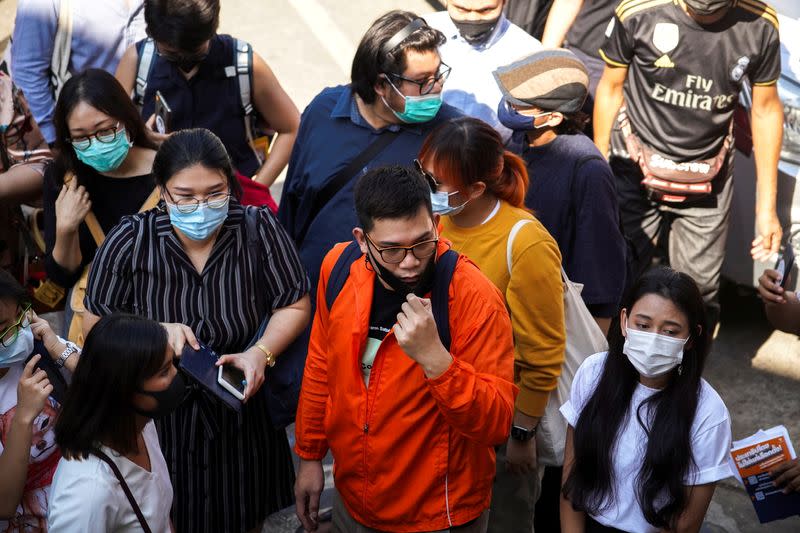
(514, 120)
(105, 157)
(417, 109)
(19, 350)
(201, 223)
(440, 202)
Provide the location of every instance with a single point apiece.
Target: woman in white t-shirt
(124, 378)
(648, 438)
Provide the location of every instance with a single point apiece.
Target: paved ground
(309, 44)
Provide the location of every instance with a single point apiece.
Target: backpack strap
(243, 59)
(128, 494)
(440, 297)
(340, 272)
(62, 48)
(143, 70)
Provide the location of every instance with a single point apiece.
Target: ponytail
(513, 181)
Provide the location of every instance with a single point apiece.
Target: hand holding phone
(232, 380)
(785, 264)
(163, 114)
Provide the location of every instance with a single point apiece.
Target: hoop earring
(368, 264)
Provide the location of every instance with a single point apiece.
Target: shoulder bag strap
(151, 201)
(90, 220)
(511, 236)
(345, 175)
(106, 459)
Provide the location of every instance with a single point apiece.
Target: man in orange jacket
(412, 426)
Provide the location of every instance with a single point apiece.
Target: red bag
(254, 193)
(669, 180)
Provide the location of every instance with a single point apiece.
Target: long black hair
(103, 92)
(187, 148)
(666, 416)
(121, 352)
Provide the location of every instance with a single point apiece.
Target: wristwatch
(69, 350)
(522, 434)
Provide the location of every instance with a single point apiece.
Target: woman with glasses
(190, 266)
(31, 388)
(212, 81)
(479, 189)
(102, 172)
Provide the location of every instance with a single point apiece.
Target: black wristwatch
(522, 434)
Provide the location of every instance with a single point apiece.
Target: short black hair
(103, 92)
(197, 146)
(390, 192)
(11, 289)
(370, 60)
(121, 352)
(182, 24)
(572, 123)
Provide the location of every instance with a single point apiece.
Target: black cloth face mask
(168, 399)
(476, 31)
(421, 288)
(707, 7)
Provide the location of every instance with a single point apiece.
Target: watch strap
(68, 351)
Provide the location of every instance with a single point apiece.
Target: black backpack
(440, 303)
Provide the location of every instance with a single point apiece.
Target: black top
(572, 193)
(112, 198)
(210, 99)
(386, 305)
(587, 32)
(684, 79)
(228, 471)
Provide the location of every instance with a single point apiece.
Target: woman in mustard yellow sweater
(480, 190)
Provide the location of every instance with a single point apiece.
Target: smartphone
(163, 114)
(232, 380)
(785, 264)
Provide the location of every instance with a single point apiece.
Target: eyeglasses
(216, 200)
(105, 136)
(430, 178)
(9, 336)
(196, 57)
(396, 254)
(427, 85)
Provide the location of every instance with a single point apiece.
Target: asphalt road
(309, 44)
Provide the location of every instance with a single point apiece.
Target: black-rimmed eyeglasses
(427, 85)
(105, 136)
(396, 254)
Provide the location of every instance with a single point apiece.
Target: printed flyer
(753, 458)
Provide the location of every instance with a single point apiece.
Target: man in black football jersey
(663, 113)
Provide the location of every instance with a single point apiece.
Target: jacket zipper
(373, 379)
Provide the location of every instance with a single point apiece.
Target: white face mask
(652, 354)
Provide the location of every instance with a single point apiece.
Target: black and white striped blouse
(228, 471)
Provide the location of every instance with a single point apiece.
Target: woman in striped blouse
(188, 265)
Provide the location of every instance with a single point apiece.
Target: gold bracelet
(269, 355)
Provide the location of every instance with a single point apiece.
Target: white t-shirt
(471, 87)
(86, 496)
(710, 435)
(31, 514)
